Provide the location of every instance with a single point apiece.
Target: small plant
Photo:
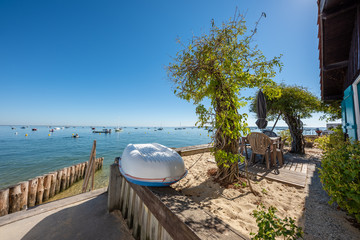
(270, 226)
(240, 184)
(264, 190)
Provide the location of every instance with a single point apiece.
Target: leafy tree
(293, 104)
(217, 66)
(331, 110)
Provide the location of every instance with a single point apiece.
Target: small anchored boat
(151, 165)
(105, 130)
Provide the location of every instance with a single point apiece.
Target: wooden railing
(145, 214)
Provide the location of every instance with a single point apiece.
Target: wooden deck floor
(293, 172)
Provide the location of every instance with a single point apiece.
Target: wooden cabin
(339, 55)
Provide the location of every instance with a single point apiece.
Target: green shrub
(286, 134)
(340, 171)
(271, 226)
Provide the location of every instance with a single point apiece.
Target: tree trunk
(228, 174)
(222, 142)
(296, 130)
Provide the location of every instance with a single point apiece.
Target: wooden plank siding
(354, 54)
(144, 212)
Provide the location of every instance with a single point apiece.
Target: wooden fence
(145, 214)
(40, 189)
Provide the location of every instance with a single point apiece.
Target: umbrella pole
(276, 122)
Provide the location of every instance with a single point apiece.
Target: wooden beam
(345, 9)
(332, 98)
(334, 66)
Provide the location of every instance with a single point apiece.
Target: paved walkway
(83, 216)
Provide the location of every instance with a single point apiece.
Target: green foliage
(340, 171)
(294, 100)
(286, 134)
(217, 66)
(270, 226)
(294, 104)
(224, 158)
(331, 110)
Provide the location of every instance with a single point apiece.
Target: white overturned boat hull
(151, 165)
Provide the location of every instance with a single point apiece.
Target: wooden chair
(260, 144)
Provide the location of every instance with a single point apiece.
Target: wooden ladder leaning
(90, 170)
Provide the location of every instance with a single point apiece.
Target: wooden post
(53, 184)
(82, 170)
(4, 202)
(93, 172)
(33, 186)
(88, 174)
(86, 168)
(102, 162)
(14, 198)
(24, 195)
(76, 172)
(68, 173)
(79, 171)
(90, 167)
(47, 185)
(58, 181)
(72, 171)
(114, 188)
(96, 167)
(40, 190)
(63, 179)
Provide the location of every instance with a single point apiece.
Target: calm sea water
(24, 157)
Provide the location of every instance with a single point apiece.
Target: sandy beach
(234, 206)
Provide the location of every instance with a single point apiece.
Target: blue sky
(103, 62)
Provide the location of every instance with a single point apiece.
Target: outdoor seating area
(270, 148)
(271, 163)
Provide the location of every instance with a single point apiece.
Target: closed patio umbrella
(261, 110)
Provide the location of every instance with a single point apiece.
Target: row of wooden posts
(40, 189)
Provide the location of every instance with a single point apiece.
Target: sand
(235, 206)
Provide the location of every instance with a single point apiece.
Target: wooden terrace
(293, 172)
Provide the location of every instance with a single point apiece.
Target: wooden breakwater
(145, 214)
(40, 189)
